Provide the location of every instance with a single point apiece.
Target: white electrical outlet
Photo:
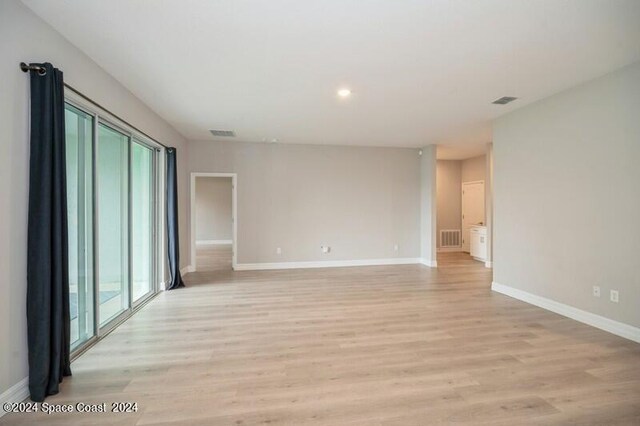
(278, 250)
(614, 296)
(596, 291)
(325, 249)
(395, 248)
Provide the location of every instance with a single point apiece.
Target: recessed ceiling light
(344, 93)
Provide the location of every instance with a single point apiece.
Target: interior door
(472, 209)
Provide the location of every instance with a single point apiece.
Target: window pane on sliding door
(79, 141)
(113, 222)
(142, 219)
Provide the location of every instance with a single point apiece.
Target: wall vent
(449, 238)
(504, 100)
(223, 133)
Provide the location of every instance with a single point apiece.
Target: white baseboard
(488, 264)
(429, 263)
(213, 242)
(618, 328)
(325, 264)
(186, 270)
(448, 249)
(16, 393)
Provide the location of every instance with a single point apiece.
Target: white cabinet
(478, 243)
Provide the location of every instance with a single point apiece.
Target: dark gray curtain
(47, 247)
(173, 240)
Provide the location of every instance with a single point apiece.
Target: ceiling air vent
(223, 133)
(504, 100)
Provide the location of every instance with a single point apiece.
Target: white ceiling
(421, 71)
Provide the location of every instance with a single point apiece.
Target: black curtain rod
(25, 68)
(42, 71)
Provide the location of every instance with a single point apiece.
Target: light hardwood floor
(215, 257)
(388, 345)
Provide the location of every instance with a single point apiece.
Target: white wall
(566, 197)
(213, 209)
(25, 37)
(488, 204)
(474, 169)
(449, 192)
(359, 201)
(428, 205)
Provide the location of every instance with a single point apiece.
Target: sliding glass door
(112, 193)
(142, 219)
(112, 162)
(79, 157)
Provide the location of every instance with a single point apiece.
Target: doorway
(473, 210)
(213, 222)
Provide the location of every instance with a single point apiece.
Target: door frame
(484, 201)
(234, 215)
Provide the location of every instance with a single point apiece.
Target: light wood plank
(395, 345)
